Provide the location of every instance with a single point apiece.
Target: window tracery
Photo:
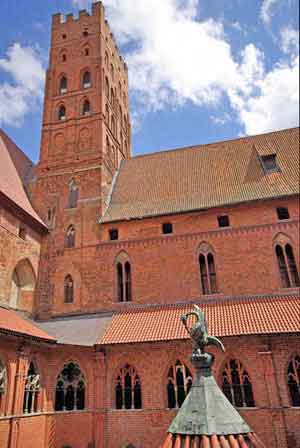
(86, 80)
(124, 279)
(179, 383)
(32, 390)
(207, 270)
(236, 384)
(70, 389)
(287, 266)
(128, 389)
(3, 380)
(293, 380)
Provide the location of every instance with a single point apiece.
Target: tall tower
(85, 135)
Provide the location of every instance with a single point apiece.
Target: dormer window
(269, 163)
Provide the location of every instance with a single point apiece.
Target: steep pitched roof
(12, 323)
(226, 317)
(205, 176)
(15, 168)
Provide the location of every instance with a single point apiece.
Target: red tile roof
(205, 176)
(15, 167)
(226, 317)
(12, 323)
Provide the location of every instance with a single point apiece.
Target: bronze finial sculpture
(199, 332)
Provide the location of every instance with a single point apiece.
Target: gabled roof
(15, 169)
(205, 176)
(12, 323)
(226, 317)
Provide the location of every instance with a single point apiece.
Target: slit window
(223, 221)
(283, 213)
(113, 234)
(167, 228)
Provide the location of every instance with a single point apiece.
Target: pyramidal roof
(15, 170)
(207, 419)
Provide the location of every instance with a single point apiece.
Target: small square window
(113, 234)
(167, 227)
(223, 221)
(269, 163)
(64, 36)
(283, 213)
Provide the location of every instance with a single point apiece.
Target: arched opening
(86, 108)
(179, 383)
(73, 195)
(236, 384)
(62, 115)
(68, 289)
(70, 237)
(293, 380)
(3, 380)
(63, 85)
(124, 281)
(70, 389)
(22, 285)
(128, 389)
(32, 389)
(86, 80)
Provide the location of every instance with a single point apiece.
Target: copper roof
(231, 441)
(226, 317)
(12, 323)
(205, 176)
(15, 168)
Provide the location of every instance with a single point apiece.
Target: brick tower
(85, 135)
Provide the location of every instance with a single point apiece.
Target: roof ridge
(206, 145)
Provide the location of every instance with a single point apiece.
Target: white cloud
(17, 97)
(290, 40)
(267, 11)
(174, 57)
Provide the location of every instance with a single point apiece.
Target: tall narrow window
(3, 379)
(124, 288)
(62, 113)
(73, 195)
(32, 389)
(178, 386)
(128, 389)
(63, 85)
(70, 389)
(287, 265)
(106, 87)
(207, 270)
(70, 237)
(236, 384)
(68, 289)
(86, 80)
(86, 108)
(293, 379)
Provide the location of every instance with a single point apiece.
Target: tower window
(62, 113)
(64, 36)
(223, 221)
(86, 80)
(86, 110)
(270, 164)
(85, 33)
(73, 195)
(63, 85)
(22, 233)
(167, 228)
(86, 52)
(113, 234)
(283, 213)
(64, 57)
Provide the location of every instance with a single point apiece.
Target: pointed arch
(179, 383)
(86, 79)
(22, 283)
(32, 390)
(124, 278)
(206, 259)
(70, 392)
(63, 84)
(68, 289)
(73, 194)
(62, 113)
(70, 237)
(236, 384)
(86, 107)
(293, 380)
(286, 262)
(3, 386)
(128, 391)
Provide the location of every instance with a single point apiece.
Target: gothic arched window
(293, 379)
(288, 271)
(63, 85)
(207, 270)
(3, 383)
(236, 384)
(86, 108)
(68, 289)
(32, 390)
(128, 389)
(62, 115)
(124, 288)
(73, 195)
(86, 80)
(179, 383)
(70, 237)
(70, 389)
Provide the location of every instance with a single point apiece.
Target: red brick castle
(102, 252)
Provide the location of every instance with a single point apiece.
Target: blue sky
(200, 70)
